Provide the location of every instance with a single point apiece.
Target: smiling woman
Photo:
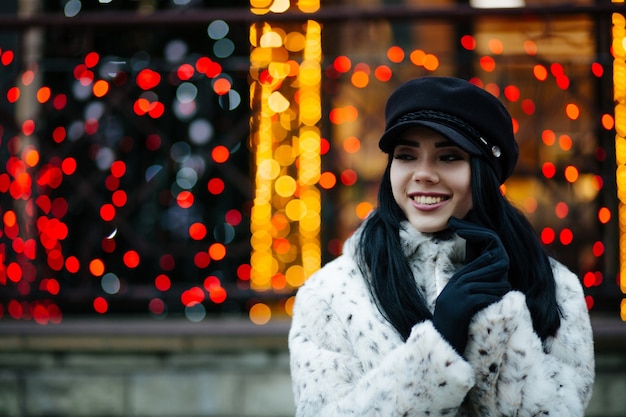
(444, 301)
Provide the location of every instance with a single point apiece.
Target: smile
(428, 200)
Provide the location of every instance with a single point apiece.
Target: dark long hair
(389, 274)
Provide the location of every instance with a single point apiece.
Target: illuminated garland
(619, 81)
(285, 69)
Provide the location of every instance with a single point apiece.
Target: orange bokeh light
(220, 154)
(360, 79)
(217, 251)
(395, 54)
(96, 267)
(43, 94)
(571, 173)
(604, 215)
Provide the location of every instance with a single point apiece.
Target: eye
(404, 156)
(452, 156)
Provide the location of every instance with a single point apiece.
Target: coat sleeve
(421, 377)
(518, 375)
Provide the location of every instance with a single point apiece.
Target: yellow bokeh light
(294, 41)
(277, 102)
(260, 57)
(271, 39)
(279, 70)
(285, 186)
(268, 169)
(279, 6)
(295, 276)
(308, 6)
(284, 155)
(289, 305)
(295, 209)
(260, 4)
(260, 314)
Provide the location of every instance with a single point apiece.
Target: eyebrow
(415, 144)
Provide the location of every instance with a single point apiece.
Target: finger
(471, 230)
(484, 300)
(484, 262)
(490, 288)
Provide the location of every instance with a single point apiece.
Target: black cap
(466, 114)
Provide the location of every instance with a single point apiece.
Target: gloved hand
(479, 283)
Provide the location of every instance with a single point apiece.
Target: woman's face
(430, 179)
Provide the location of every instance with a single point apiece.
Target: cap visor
(389, 138)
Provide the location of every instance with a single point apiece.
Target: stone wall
(111, 368)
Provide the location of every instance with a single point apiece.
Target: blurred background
(171, 171)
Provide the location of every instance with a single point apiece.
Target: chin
(430, 227)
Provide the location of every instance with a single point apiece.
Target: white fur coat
(347, 360)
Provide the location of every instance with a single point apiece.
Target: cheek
(464, 190)
(396, 178)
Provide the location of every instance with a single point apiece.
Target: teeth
(426, 199)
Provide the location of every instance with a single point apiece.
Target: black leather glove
(479, 283)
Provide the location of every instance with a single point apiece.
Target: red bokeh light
(162, 282)
(548, 169)
(148, 79)
(598, 249)
(215, 186)
(201, 259)
(185, 199)
(153, 142)
(107, 212)
(512, 93)
(156, 306)
(487, 63)
(192, 296)
(348, 177)
(185, 72)
(243, 272)
(92, 59)
(68, 166)
(197, 231)
(167, 262)
(59, 102)
(100, 305)
(566, 236)
(342, 64)
(383, 73)
(547, 235)
(233, 217)
(131, 259)
(118, 169)
(218, 295)
(72, 264)
(7, 57)
(468, 42)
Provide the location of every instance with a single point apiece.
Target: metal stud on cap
(495, 151)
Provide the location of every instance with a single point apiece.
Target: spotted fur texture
(347, 360)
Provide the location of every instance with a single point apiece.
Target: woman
(443, 301)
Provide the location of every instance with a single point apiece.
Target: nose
(425, 172)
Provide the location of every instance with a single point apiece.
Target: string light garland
(285, 68)
(619, 85)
